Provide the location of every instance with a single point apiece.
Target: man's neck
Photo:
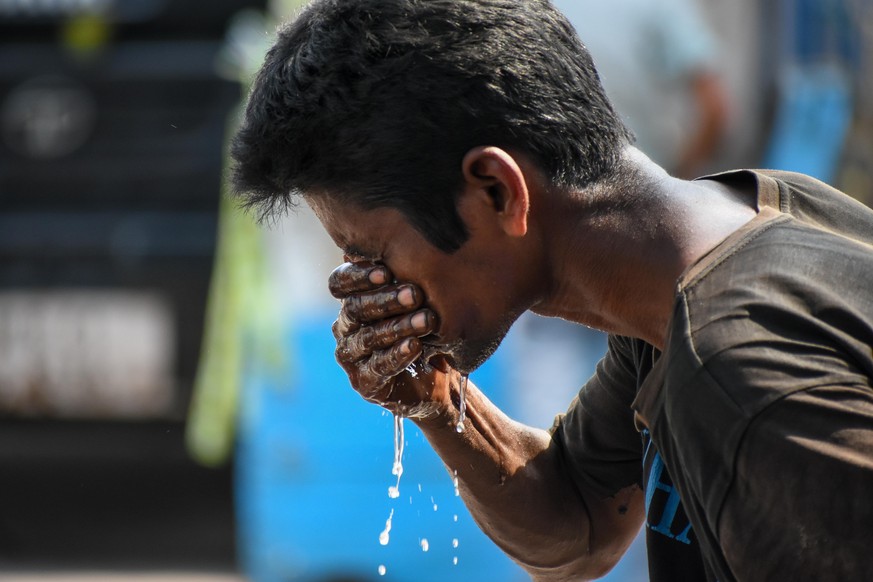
(618, 250)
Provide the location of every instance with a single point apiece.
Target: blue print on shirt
(659, 483)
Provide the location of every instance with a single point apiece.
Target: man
(463, 155)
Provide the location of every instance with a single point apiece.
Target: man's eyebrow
(358, 252)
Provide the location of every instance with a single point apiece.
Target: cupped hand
(378, 333)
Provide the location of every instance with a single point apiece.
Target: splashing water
(462, 415)
(385, 536)
(425, 546)
(394, 491)
(455, 561)
(455, 543)
(397, 468)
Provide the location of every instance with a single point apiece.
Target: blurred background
(170, 405)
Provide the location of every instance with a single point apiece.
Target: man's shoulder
(809, 200)
(795, 295)
(786, 263)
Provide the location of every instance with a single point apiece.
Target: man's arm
(514, 482)
(513, 478)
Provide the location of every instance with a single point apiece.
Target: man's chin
(468, 356)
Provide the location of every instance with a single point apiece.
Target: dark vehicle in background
(112, 123)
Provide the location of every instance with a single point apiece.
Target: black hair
(376, 102)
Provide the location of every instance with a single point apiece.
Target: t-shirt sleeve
(600, 445)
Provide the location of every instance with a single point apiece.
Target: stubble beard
(468, 355)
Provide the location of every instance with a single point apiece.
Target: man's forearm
(511, 479)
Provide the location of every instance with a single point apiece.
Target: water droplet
(455, 483)
(425, 546)
(455, 543)
(385, 536)
(462, 414)
(455, 517)
(419, 487)
(382, 570)
(455, 561)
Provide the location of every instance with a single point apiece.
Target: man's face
(472, 291)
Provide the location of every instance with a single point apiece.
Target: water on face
(462, 415)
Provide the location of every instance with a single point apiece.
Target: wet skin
(403, 298)
(384, 326)
(379, 331)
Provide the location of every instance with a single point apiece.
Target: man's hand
(377, 335)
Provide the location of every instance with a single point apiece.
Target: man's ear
(496, 178)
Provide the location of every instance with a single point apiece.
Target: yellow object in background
(242, 329)
(86, 34)
(243, 325)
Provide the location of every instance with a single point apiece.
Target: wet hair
(376, 102)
